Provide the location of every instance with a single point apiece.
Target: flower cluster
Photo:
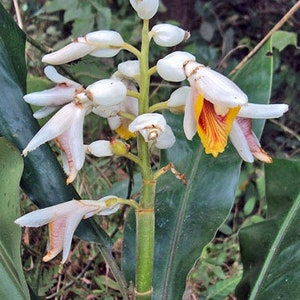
(213, 106)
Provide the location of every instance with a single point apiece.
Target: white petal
(114, 122)
(105, 52)
(179, 96)
(107, 92)
(167, 35)
(166, 139)
(54, 76)
(145, 9)
(239, 141)
(100, 148)
(171, 67)
(76, 139)
(105, 111)
(189, 122)
(262, 111)
(104, 39)
(59, 123)
(45, 111)
(148, 121)
(68, 53)
(214, 86)
(51, 97)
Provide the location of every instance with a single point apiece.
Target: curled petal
(215, 87)
(179, 96)
(166, 139)
(171, 67)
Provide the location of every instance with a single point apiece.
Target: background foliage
(222, 33)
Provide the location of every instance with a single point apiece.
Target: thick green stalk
(145, 215)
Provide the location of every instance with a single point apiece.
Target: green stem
(145, 215)
(158, 106)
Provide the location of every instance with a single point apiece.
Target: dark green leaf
(271, 271)
(187, 217)
(13, 284)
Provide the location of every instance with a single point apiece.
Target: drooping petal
(262, 111)
(215, 87)
(77, 49)
(252, 140)
(171, 67)
(240, 143)
(212, 128)
(189, 119)
(59, 123)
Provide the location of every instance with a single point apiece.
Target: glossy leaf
(187, 217)
(271, 249)
(43, 179)
(13, 284)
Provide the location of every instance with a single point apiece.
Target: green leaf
(282, 39)
(13, 284)
(271, 271)
(187, 217)
(43, 177)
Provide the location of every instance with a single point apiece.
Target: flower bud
(107, 92)
(130, 69)
(145, 9)
(119, 148)
(99, 148)
(171, 67)
(168, 35)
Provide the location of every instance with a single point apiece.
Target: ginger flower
(145, 9)
(241, 134)
(63, 93)
(63, 219)
(102, 43)
(153, 127)
(212, 107)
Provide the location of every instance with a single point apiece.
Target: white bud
(145, 9)
(171, 67)
(107, 92)
(129, 69)
(179, 96)
(168, 35)
(100, 148)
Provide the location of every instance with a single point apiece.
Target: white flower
(66, 128)
(145, 9)
(106, 92)
(103, 43)
(211, 108)
(153, 127)
(63, 93)
(179, 96)
(242, 136)
(63, 219)
(171, 67)
(168, 35)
